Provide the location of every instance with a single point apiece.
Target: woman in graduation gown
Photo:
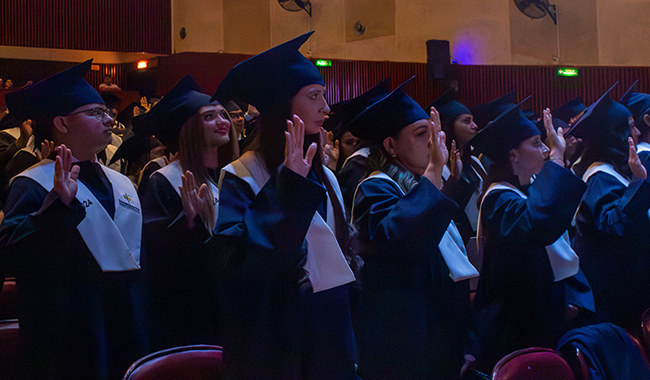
(612, 220)
(414, 310)
(286, 280)
(528, 264)
(181, 270)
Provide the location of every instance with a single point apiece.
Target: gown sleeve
(543, 217)
(263, 234)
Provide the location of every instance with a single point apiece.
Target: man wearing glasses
(72, 231)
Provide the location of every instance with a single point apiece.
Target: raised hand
(199, 202)
(25, 133)
(330, 149)
(438, 153)
(47, 147)
(65, 175)
(634, 161)
(293, 154)
(555, 140)
(455, 163)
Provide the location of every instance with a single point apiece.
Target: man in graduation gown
(638, 104)
(75, 240)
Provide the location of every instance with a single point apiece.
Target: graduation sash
(114, 243)
(13, 132)
(363, 152)
(605, 168)
(173, 172)
(642, 147)
(563, 259)
(326, 264)
(451, 245)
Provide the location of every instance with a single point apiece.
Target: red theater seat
(197, 362)
(9, 300)
(533, 363)
(9, 349)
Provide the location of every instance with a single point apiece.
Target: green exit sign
(567, 72)
(323, 63)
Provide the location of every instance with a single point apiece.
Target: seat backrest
(9, 348)
(577, 360)
(645, 326)
(197, 362)
(8, 300)
(535, 363)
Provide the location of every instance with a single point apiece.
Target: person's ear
(389, 146)
(59, 124)
(646, 119)
(514, 156)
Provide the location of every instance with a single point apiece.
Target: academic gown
(462, 190)
(182, 274)
(413, 318)
(613, 242)
(76, 321)
(349, 176)
(275, 326)
(518, 304)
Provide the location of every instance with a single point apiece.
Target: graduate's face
(634, 131)
(411, 147)
(310, 105)
(528, 159)
(464, 129)
(90, 131)
(348, 145)
(216, 125)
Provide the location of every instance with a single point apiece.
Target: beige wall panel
(578, 21)
(532, 42)
(377, 16)
(203, 22)
(246, 26)
(624, 32)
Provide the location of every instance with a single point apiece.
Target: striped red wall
(106, 25)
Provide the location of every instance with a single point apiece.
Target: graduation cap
(232, 106)
(387, 116)
(638, 104)
(138, 144)
(604, 123)
(270, 79)
(557, 123)
(341, 114)
(167, 117)
(489, 111)
(55, 96)
(569, 110)
(448, 108)
(503, 134)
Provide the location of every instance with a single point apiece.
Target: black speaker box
(438, 59)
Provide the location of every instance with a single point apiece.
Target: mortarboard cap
(110, 99)
(341, 114)
(232, 106)
(138, 144)
(55, 96)
(271, 78)
(448, 108)
(489, 111)
(167, 117)
(604, 123)
(387, 116)
(503, 134)
(557, 123)
(569, 110)
(638, 104)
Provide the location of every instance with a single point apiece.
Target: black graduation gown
(412, 321)
(461, 190)
(181, 271)
(77, 322)
(275, 326)
(518, 304)
(349, 177)
(148, 170)
(613, 242)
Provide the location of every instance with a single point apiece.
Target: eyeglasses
(97, 112)
(236, 114)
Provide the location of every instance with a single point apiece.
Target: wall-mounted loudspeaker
(438, 59)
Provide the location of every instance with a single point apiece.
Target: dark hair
(500, 170)
(379, 159)
(615, 153)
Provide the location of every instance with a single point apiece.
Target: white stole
(563, 259)
(326, 264)
(642, 147)
(13, 132)
(173, 172)
(363, 152)
(451, 245)
(114, 243)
